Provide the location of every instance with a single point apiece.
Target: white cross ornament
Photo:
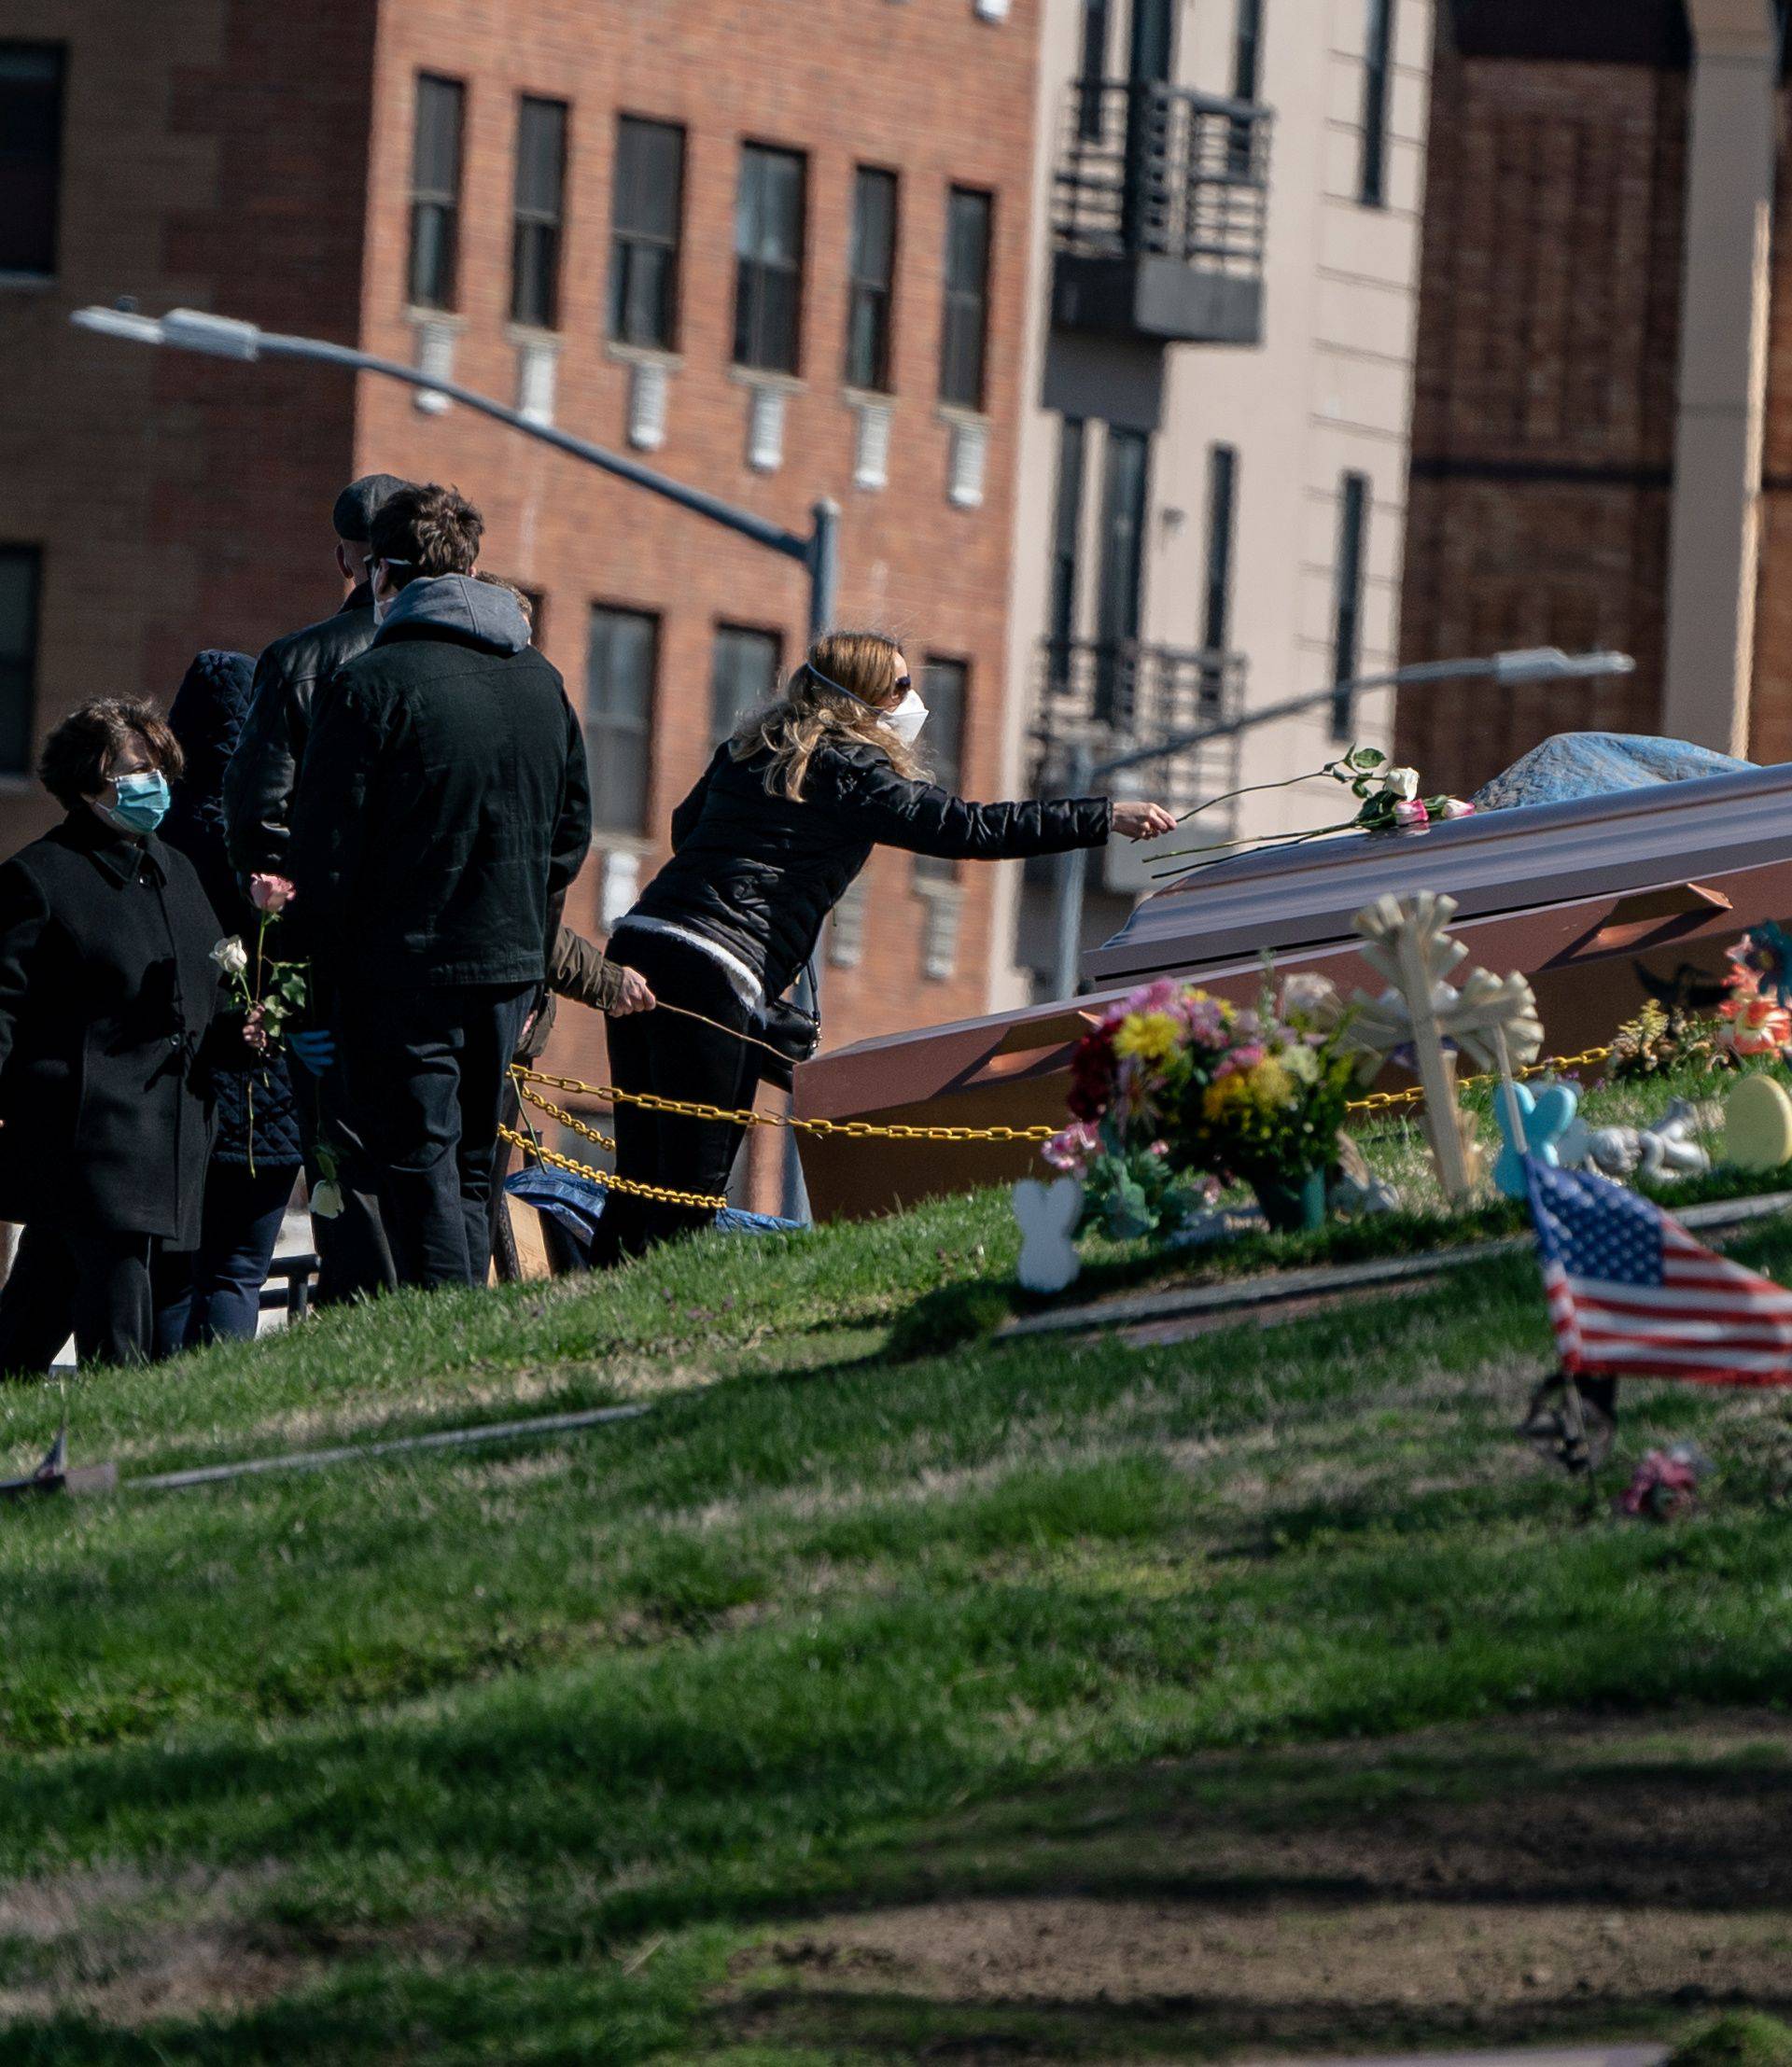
(1492, 1019)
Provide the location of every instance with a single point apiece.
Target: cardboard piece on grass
(55, 1474)
(1757, 1124)
(1047, 1215)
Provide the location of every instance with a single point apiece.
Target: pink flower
(1073, 1149)
(1241, 1059)
(1453, 807)
(271, 894)
(1409, 811)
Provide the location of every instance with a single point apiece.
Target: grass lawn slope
(1048, 1700)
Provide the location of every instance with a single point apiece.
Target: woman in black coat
(783, 819)
(215, 1292)
(107, 1000)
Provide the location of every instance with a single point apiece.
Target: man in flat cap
(258, 803)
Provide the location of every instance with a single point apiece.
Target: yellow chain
(1390, 1101)
(568, 1119)
(853, 1130)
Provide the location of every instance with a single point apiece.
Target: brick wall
(182, 503)
(927, 87)
(1543, 432)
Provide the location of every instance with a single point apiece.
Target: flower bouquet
(1175, 1093)
(268, 991)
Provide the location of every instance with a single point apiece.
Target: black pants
(675, 1058)
(96, 1284)
(354, 1257)
(426, 1073)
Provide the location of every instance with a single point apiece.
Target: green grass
(543, 1755)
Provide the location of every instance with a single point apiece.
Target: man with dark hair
(443, 810)
(258, 808)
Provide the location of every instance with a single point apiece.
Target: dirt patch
(1527, 1880)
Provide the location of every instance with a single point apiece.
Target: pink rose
(271, 894)
(1453, 807)
(1409, 811)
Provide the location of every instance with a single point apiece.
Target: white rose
(327, 1200)
(230, 956)
(1401, 782)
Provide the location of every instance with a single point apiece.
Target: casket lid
(1527, 857)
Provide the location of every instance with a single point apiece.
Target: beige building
(1213, 464)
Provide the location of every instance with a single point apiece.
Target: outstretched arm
(927, 819)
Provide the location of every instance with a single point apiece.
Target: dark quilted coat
(758, 874)
(207, 718)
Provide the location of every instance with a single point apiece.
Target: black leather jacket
(258, 782)
(758, 874)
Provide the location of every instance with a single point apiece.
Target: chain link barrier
(857, 1130)
(1402, 1101)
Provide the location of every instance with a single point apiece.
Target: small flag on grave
(1632, 1295)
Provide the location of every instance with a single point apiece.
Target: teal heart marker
(1544, 1117)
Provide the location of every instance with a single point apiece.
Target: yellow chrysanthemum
(1271, 1085)
(1151, 1036)
(1219, 1101)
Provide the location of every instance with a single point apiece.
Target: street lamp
(1534, 664)
(226, 338)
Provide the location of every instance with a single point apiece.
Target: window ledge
(753, 376)
(526, 333)
(868, 398)
(445, 320)
(960, 418)
(643, 354)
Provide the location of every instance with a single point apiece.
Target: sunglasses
(904, 687)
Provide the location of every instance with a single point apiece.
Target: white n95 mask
(906, 720)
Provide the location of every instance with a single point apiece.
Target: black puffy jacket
(258, 782)
(257, 1114)
(443, 805)
(758, 874)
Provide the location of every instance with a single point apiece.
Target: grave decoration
(1666, 1035)
(1757, 1124)
(1756, 1020)
(1422, 1020)
(1387, 799)
(1174, 1093)
(1672, 1146)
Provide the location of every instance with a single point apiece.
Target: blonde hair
(833, 698)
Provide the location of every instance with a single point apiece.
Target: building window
(1119, 604)
(1222, 494)
(942, 686)
(1247, 50)
(435, 191)
(1347, 638)
(1067, 529)
(19, 568)
(645, 218)
(1377, 67)
(534, 242)
(30, 156)
(743, 676)
(1094, 69)
(768, 259)
(619, 670)
(966, 319)
(871, 287)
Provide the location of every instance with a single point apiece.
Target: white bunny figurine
(1047, 1215)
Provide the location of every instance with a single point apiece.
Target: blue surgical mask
(143, 803)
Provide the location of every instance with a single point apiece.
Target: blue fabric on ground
(1573, 764)
(578, 1205)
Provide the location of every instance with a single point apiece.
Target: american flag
(1632, 1293)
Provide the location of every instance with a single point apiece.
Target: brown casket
(1579, 896)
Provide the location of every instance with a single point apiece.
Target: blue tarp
(578, 1205)
(1575, 764)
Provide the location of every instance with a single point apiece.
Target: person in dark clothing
(442, 809)
(258, 814)
(109, 1031)
(215, 1292)
(784, 818)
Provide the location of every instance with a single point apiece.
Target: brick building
(779, 250)
(1602, 441)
